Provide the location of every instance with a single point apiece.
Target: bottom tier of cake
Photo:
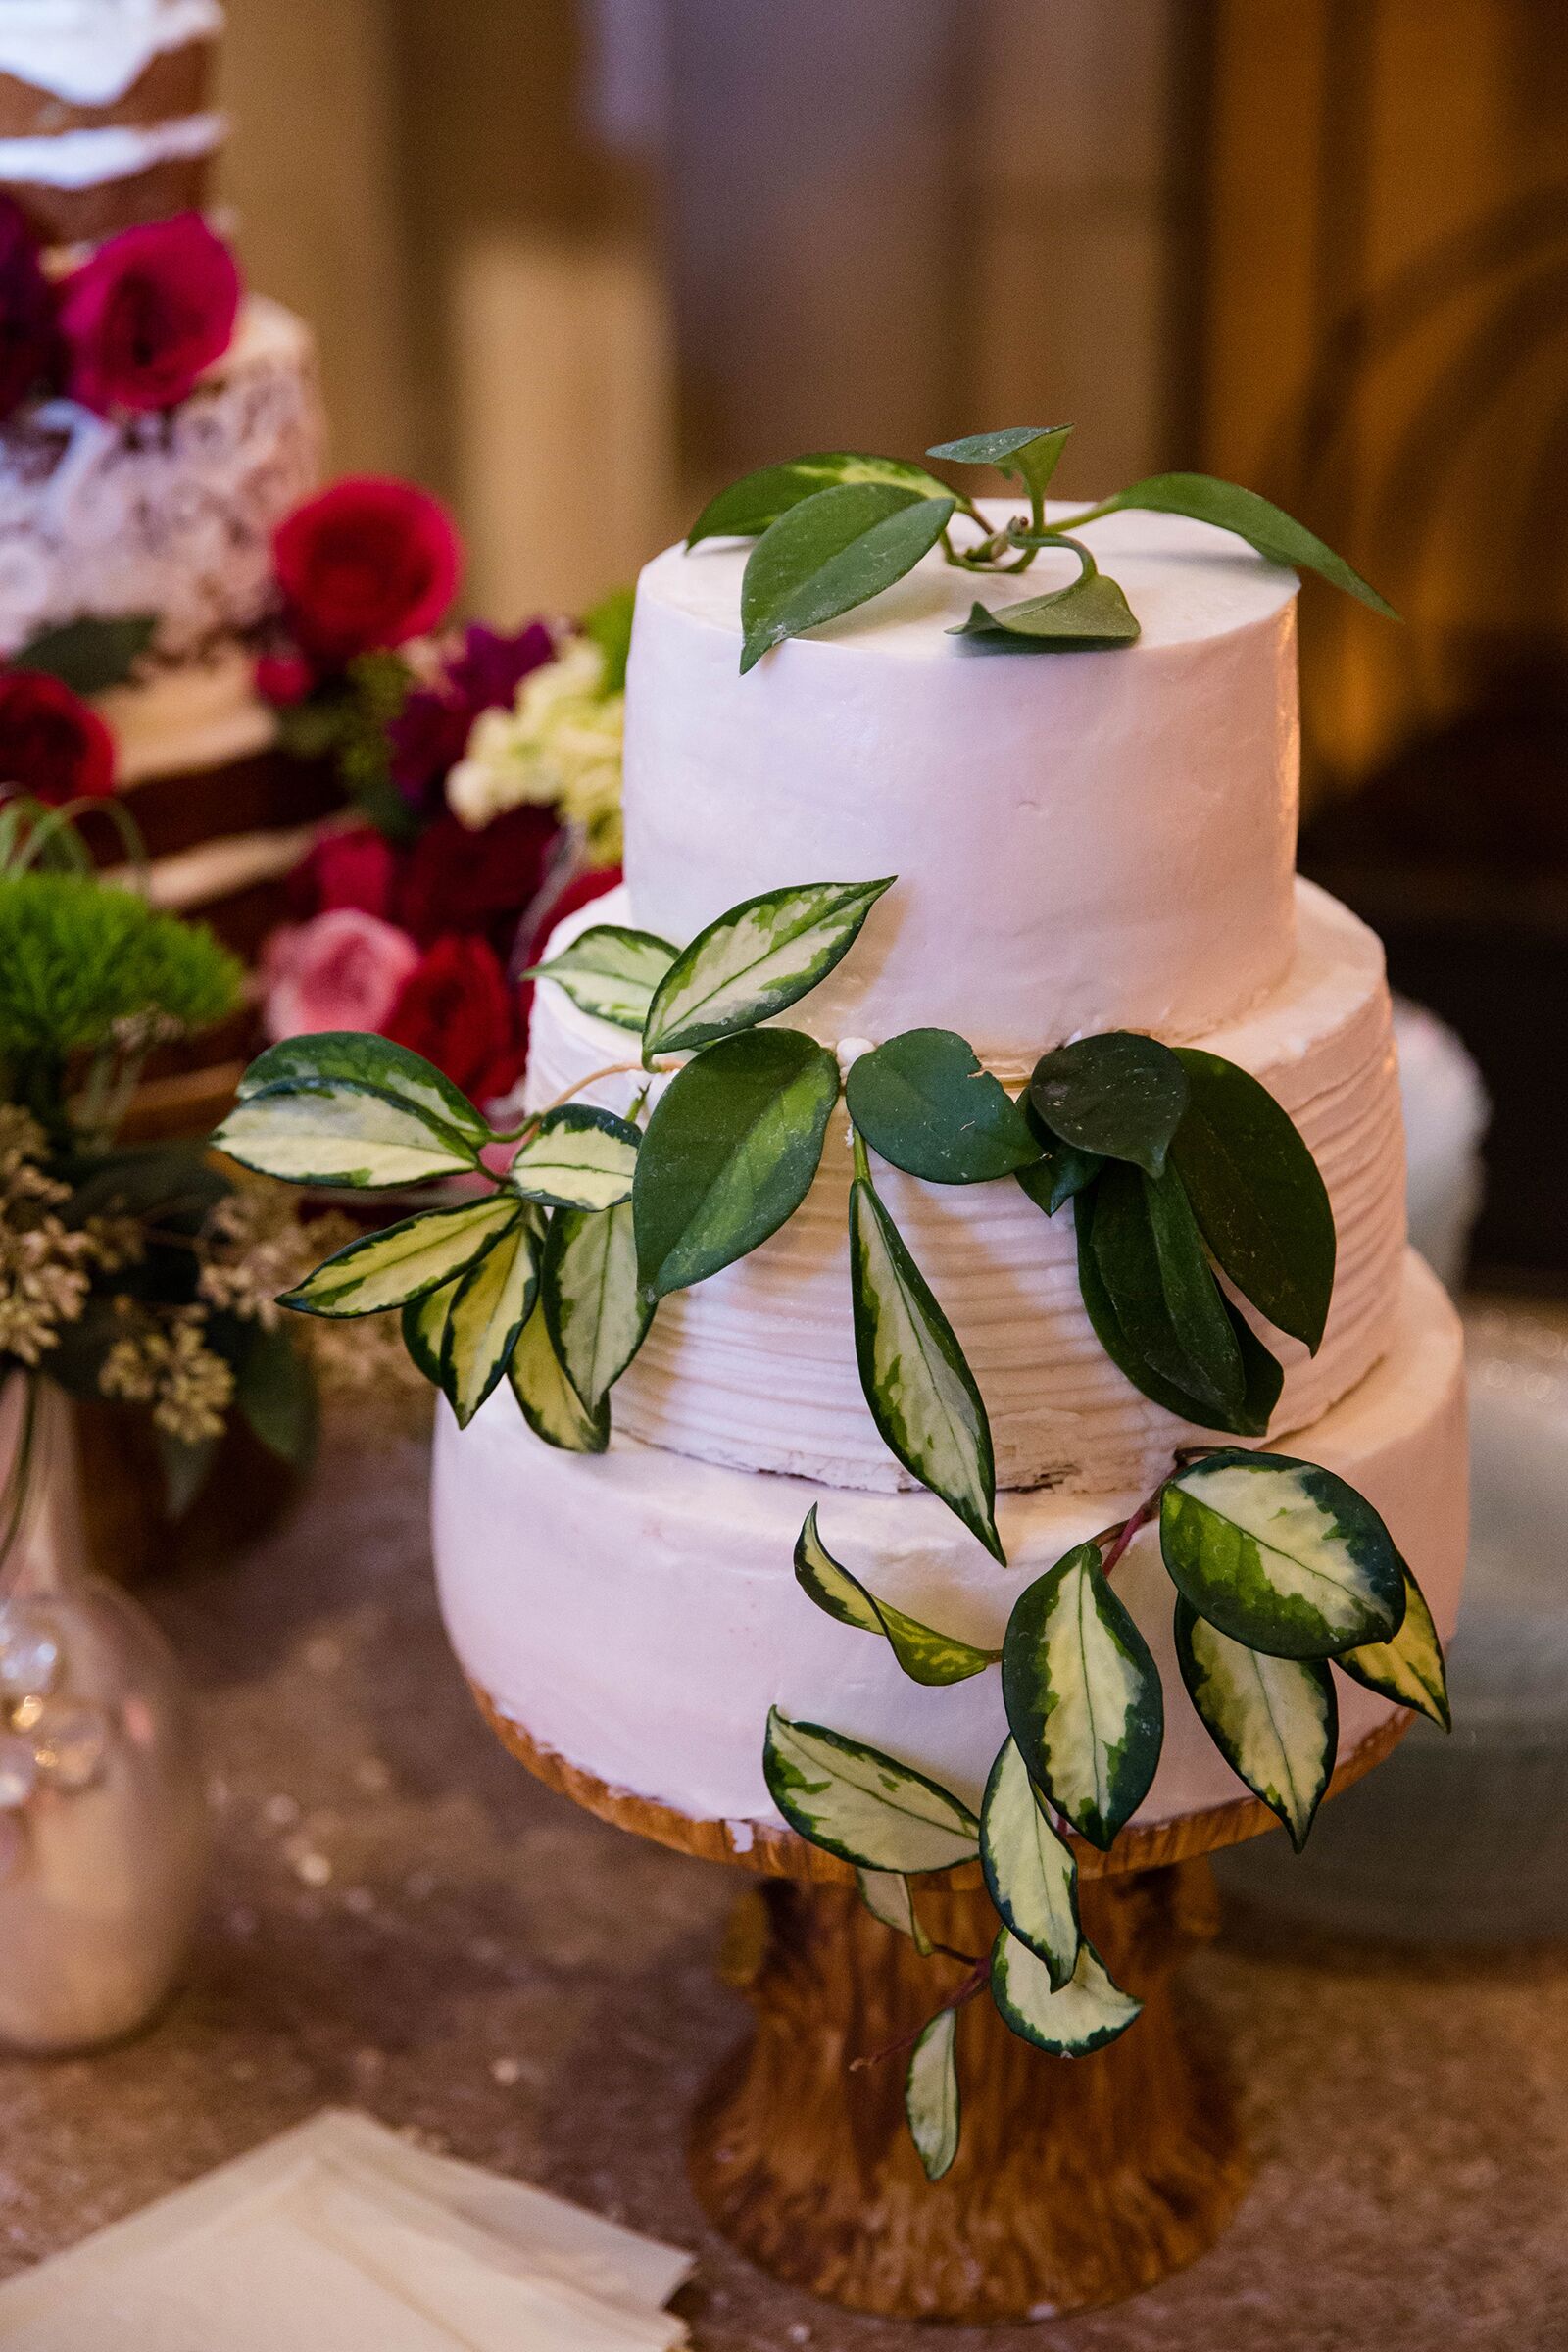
(637, 1612)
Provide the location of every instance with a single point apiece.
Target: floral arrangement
(484, 767)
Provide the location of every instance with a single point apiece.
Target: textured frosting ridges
(756, 1367)
(1082, 841)
(637, 1613)
(93, 53)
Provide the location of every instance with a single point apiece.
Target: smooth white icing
(89, 159)
(91, 52)
(756, 1367)
(1082, 841)
(183, 720)
(638, 1613)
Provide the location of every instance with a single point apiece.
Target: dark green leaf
(756, 961)
(1263, 1375)
(89, 655)
(1083, 1696)
(1120, 1094)
(1030, 1872)
(1410, 1667)
(831, 553)
(922, 1392)
(750, 505)
(275, 1390)
(1281, 1555)
(1062, 1171)
(1256, 1193)
(1086, 2014)
(1275, 1721)
(923, 1102)
(730, 1153)
(931, 2101)
(1274, 533)
(1162, 1293)
(1090, 615)
(860, 1804)
(550, 1404)
(595, 1309)
(925, 1655)
(1029, 453)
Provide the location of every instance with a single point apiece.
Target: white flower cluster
(559, 745)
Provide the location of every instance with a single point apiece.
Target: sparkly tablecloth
(402, 1919)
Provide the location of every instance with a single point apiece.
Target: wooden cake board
(1078, 2180)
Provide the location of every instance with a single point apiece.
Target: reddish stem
(974, 1983)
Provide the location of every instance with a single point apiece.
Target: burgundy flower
(457, 1010)
(52, 745)
(146, 312)
(353, 868)
(370, 562)
(490, 668)
(425, 739)
(455, 880)
(431, 734)
(30, 336)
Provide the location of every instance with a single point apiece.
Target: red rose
(29, 335)
(455, 880)
(147, 314)
(52, 745)
(353, 868)
(458, 1012)
(370, 562)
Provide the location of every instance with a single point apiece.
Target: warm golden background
(573, 261)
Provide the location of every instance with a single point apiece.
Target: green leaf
(887, 1896)
(1029, 1870)
(866, 1807)
(1090, 615)
(1281, 1555)
(1120, 1095)
(925, 1655)
(1061, 1172)
(1264, 1376)
(550, 1404)
(359, 1059)
(608, 624)
(424, 1326)
(931, 2094)
(1410, 1667)
(595, 1309)
(730, 1153)
(1274, 533)
(275, 1391)
(186, 1468)
(924, 1102)
(485, 1317)
(1083, 1696)
(749, 507)
(756, 961)
(922, 1392)
(610, 973)
(1256, 1193)
(577, 1158)
(336, 1132)
(831, 553)
(1147, 1247)
(404, 1261)
(1275, 1721)
(91, 654)
(1029, 453)
(1088, 2012)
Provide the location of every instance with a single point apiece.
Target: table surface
(402, 1919)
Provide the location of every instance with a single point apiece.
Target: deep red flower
(146, 312)
(370, 562)
(52, 745)
(29, 335)
(283, 679)
(353, 868)
(455, 880)
(457, 1010)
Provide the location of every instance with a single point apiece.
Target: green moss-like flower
(78, 960)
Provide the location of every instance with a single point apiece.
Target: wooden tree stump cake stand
(1078, 2180)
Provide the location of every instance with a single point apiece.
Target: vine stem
(611, 1069)
(974, 1983)
(1119, 1536)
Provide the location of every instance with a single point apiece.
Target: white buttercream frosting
(91, 52)
(1082, 841)
(638, 1612)
(89, 159)
(756, 1367)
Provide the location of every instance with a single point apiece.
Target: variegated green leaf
(1083, 1696)
(931, 2094)
(405, 1260)
(595, 1309)
(862, 1806)
(1410, 1667)
(1029, 1870)
(425, 1324)
(887, 1896)
(925, 1655)
(755, 961)
(1281, 1555)
(609, 972)
(551, 1405)
(1088, 2012)
(359, 1057)
(577, 1157)
(485, 1320)
(334, 1132)
(1275, 1721)
(922, 1392)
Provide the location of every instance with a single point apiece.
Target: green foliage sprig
(835, 529)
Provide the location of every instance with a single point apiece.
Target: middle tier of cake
(756, 1368)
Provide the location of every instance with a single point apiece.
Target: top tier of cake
(1081, 841)
(104, 114)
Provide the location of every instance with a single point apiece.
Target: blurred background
(573, 263)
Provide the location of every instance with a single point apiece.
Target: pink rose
(344, 969)
(147, 312)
